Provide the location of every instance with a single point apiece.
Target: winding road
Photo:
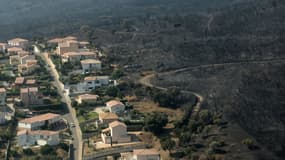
(146, 80)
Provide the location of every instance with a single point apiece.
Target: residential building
(77, 56)
(141, 154)
(31, 82)
(83, 44)
(14, 50)
(107, 117)
(67, 46)
(146, 154)
(19, 80)
(24, 59)
(61, 40)
(14, 60)
(27, 137)
(36, 122)
(87, 98)
(23, 53)
(3, 47)
(7, 113)
(89, 65)
(2, 118)
(115, 106)
(3, 95)
(116, 133)
(18, 42)
(92, 82)
(28, 68)
(30, 96)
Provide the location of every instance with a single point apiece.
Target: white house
(89, 65)
(87, 98)
(77, 56)
(18, 42)
(7, 113)
(39, 137)
(3, 95)
(92, 82)
(115, 106)
(3, 47)
(2, 117)
(36, 122)
(141, 154)
(24, 59)
(116, 133)
(67, 46)
(107, 117)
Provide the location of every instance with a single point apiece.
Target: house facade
(89, 65)
(67, 46)
(40, 137)
(36, 122)
(92, 82)
(87, 98)
(3, 95)
(30, 96)
(115, 106)
(18, 42)
(107, 117)
(141, 154)
(3, 47)
(24, 59)
(116, 133)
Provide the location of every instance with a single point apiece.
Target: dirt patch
(148, 106)
(151, 139)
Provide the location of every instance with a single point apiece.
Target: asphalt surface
(71, 116)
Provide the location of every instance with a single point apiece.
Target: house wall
(3, 98)
(90, 67)
(25, 58)
(30, 140)
(117, 132)
(62, 50)
(146, 157)
(14, 60)
(18, 44)
(2, 118)
(116, 109)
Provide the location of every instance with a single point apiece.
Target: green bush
(47, 150)
(28, 151)
(155, 122)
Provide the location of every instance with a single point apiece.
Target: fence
(111, 151)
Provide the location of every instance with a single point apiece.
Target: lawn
(88, 116)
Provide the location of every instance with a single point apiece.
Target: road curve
(146, 80)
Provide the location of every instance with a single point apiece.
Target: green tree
(47, 150)
(118, 73)
(167, 143)
(28, 151)
(155, 122)
(113, 91)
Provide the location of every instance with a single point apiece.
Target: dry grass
(148, 106)
(149, 138)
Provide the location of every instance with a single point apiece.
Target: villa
(36, 122)
(39, 137)
(116, 133)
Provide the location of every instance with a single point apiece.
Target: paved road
(71, 116)
(146, 80)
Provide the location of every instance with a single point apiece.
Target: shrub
(47, 150)
(28, 151)
(155, 122)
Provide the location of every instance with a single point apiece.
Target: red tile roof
(43, 117)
